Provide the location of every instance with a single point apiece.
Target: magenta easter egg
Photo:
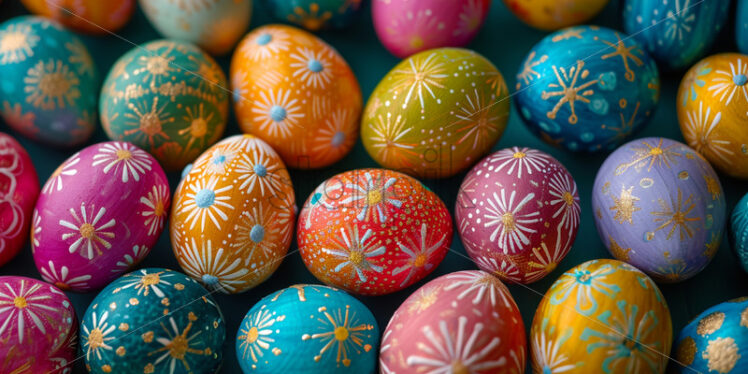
(408, 26)
(19, 188)
(518, 214)
(98, 215)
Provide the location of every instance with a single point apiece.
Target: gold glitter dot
(710, 323)
(106, 368)
(721, 354)
(179, 286)
(148, 337)
(124, 327)
(113, 306)
(121, 351)
(686, 351)
(134, 301)
(149, 369)
(165, 301)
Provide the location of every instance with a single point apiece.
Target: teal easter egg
(168, 98)
(314, 15)
(738, 231)
(153, 321)
(741, 26)
(308, 329)
(48, 82)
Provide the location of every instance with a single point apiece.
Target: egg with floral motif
(233, 215)
(373, 231)
(98, 215)
(436, 113)
(48, 82)
(659, 206)
(153, 320)
(738, 231)
(713, 110)
(19, 188)
(297, 93)
(308, 328)
(406, 27)
(554, 14)
(518, 214)
(167, 97)
(315, 15)
(587, 88)
(462, 322)
(602, 316)
(90, 16)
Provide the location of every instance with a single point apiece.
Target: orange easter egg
(90, 16)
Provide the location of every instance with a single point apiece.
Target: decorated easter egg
(436, 113)
(518, 214)
(315, 14)
(463, 322)
(738, 231)
(214, 25)
(675, 32)
(308, 329)
(587, 88)
(297, 93)
(714, 341)
(91, 16)
(659, 206)
(603, 316)
(713, 109)
(39, 328)
(555, 14)
(49, 82)
(406, 27)
(19, 188)
(167, 97)
(153, 321)
(373, 231)
(741, 26)
(233, 215)
(98, 215)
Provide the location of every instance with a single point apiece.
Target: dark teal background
(505, 41)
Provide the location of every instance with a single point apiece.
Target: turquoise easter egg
(308, 329)
(587, 88)
(738, 231)
(741, 26)
(48, 82)
(314, 15)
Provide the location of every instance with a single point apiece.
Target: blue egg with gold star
(315, 15)
(738, 231)
(153, 321)
(587, 88)
(308, 329)
(48, 82)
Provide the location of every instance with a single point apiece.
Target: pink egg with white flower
(98, 215)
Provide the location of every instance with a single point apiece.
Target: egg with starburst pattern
(315, 15)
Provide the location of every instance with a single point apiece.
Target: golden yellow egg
(555, 14)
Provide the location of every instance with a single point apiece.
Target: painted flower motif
(336, 136)
(728, 83)
(277, 113)
(96, 340)
(475, 120)
(177, 340)
(133, 161)
(266, 44)
(354, 251)
(145, 283)
(17, 43)
(211, 267)
(584, 284)
(545, 354)
(378, 197)
(90, 231)
(259, 171)
(129, 260)
(482, 284)
(61, 279)
(419, 254)
(420, 79)
(544, 262)
(389, 141)
(563, 190)
(203, 201)
(156, 205)
(504, 269)
(512, 224)
(699, 133)
(470, 18)
(51, 85)
(219, 160)
(67, 169)
(314, 68)
(25, 307)
(520, 159)
(256, 336)
(264, 229)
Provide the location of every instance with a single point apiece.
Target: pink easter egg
(408, 26)
(38, 328)
(98, 215)
(518, 214)
(19, 188)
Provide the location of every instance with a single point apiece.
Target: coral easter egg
(713, 110)
(587, 88)
(738, 231)
(675, 32)
(555, 14)
(19, 188)
(91, 16)
(308, 329)
(436, 113)
(153, 321)
(39, 329)
(297, 93)
(98, 215)
(463, 322)
(49, 82)
(373, 231)
(233, 215)
(314, 15)
(406, 27)
(659, 206)
(214, 25)
(603, 316)
(518, 214)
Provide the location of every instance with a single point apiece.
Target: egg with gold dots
(315, 15)
(89, 16)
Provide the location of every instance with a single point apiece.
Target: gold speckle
(179, 286)
(149, 369)
(686, 351)
(367, 347)
(106, 368)
(165, 301)
(744, 318)
(277, 351)
(134, 301)
(306, 337)
(721, 354)
(121, 351)
(710, 323)
(166, 311)
(113, 305)
(617, 251)
(124, 327)
(192, 317)
(683, 175)
(215, 324)
(148, 337)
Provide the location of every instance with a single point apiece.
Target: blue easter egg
(741, 26)
(587, 88)
(314, 15)
(49, 82)
(308, 329)
(738, 231)
(677, 32)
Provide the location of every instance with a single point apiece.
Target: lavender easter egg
(19, 188)
(463, 322)
(587, 88)
(518, 214)
(406, 27)
(153, 321)
(738, 231)
(39, 328)
(98, 215)
(555, 14)
(308, 328)
(659, 206)
(314, 15)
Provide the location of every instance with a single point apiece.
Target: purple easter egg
(98, 215)
(659, 206)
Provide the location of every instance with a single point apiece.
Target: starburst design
(67, 169)
(17, 43)
(156, 67)
(528, 73)
(512, 224)
(336, 137)
(24, 305)
(419, 78)
(679, 23)
(519, 160)
(675, 214)
(146, 123)
(256, 335)
(277, 113)
(137, 253)
(727, 83)
(545, 261)
(485, 286)
(90, 231)
(355, 251)
(469, 18)
(213, 268)
(624, 205)
(314, 68)
(567, 90)
(620, 49)
(649, 155)
(177, 346)
(388, 140)
(563, 190)
(547, 356)
(699, 131)
(115, 155)
(476, 120)
(503, 269)
(378, 197)
(584, 282)
(419, 254)
(51, 85)
(203, 201)
(263, 228)
(156, 208)
(264, 45)
(259, 171)
(61, 279)
(97, 338)
(342, 329)
(145, 283)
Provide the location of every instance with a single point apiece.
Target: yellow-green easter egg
(168, 98)
(436, 113)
